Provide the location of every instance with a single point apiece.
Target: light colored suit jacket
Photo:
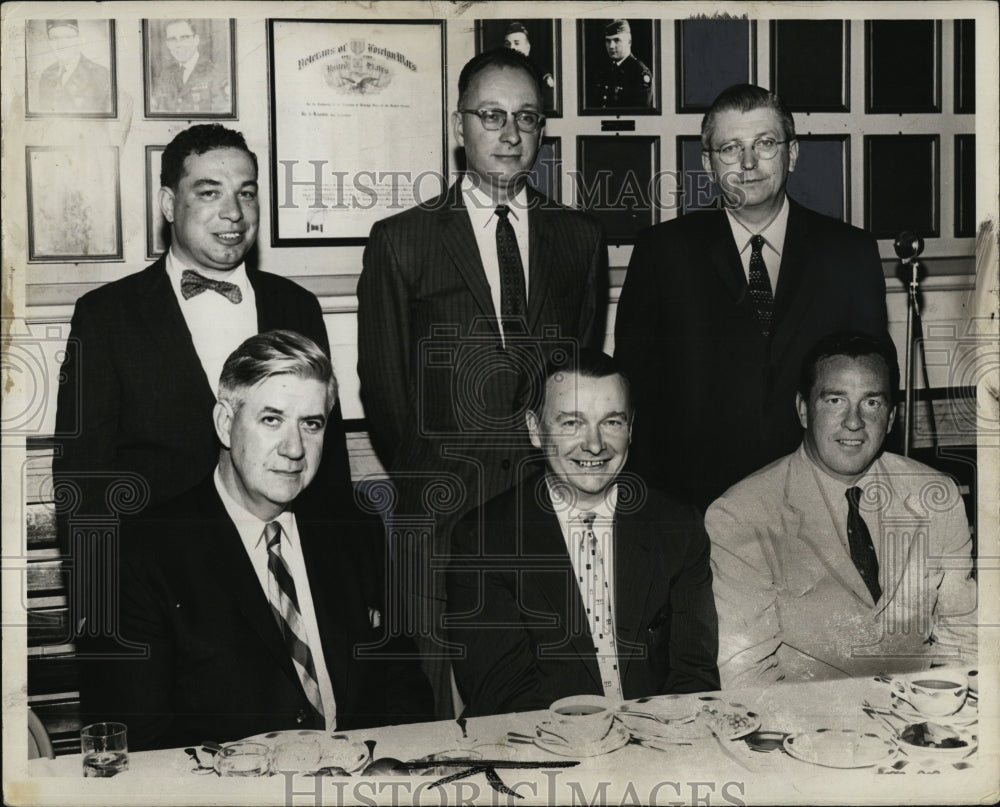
(793, 606)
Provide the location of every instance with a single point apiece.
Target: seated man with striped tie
(581, 580)
(838, 559)
(256, 618)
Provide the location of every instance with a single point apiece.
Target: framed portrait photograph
(74, 204)
(617, 183)
(358, 115)
(619, 67)
(710, 55)
(189, 68)
(70, 69)
(157, 229)
(546, 174)
(540, 41)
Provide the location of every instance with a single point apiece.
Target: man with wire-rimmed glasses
(456, 297)
(719, 306)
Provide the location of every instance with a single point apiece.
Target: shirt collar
(176, 267)
(604, 511)
(482, 209)
(773, 233)
(835, 488)
(250, 528)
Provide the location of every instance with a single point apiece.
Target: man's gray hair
(274, 353)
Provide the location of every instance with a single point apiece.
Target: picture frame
(614, 172)
(696, 190)
(896, 202)
(189, 68)
(74, 204)
(540, 40)
(821, 180)
(546, 174)
(157, 229)
(810, 64)
(70, 69)
(629, 89)
(902, 66)
(710, 55)
(364, 87)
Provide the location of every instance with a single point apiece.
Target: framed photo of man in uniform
(619, 66)
(540, 41)
(70, 69)
(189, 68)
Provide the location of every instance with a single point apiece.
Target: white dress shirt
(251, 530)
(217, 326)
(482, 214)
(774, 243)
(571, 523)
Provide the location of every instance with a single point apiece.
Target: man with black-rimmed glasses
(455, 296)
(719, 306)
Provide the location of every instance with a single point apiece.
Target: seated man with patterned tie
(254, 617)
(839, 559)
(580, 580)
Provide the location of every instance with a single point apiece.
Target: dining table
(652, 763)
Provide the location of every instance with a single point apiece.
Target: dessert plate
(839, 748)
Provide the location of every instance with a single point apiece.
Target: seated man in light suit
(580, 580)
(255, 617)
(837, 560)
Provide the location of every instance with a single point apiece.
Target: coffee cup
(937, 693)
(581, 719)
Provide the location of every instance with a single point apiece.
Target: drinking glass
(244, 759)
(105, 749)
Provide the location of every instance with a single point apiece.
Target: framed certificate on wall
(358, 119)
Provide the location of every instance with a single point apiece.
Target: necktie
(760, 286)
(285, 607)
(513, 298)
(193, 284)
(597, 599)
(860, 541)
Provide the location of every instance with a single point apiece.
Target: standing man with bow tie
(455, 296)
(145, 352)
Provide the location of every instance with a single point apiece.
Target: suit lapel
(169, 333)
(237, 574)
(894, 540)
(817, 529)
(633, 578)
(460, 243)
(794, 292)
(724, 255)
(541, 260)
(331, 596)
(562, 594)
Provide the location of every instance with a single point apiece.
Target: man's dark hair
(197, 140)
(586, 362)
(744, 98)
(497, 57)
(853, 344)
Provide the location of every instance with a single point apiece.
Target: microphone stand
(908, 246)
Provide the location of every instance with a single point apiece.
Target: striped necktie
(594, 583)
(285, 607)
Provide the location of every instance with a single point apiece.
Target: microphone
(908, 245)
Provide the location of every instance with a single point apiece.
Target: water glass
(244, 759)
(105, 749)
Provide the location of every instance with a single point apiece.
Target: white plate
(615, 739)
(293, 750)
(675, 708)
(966, 716)
(839, 748)
(730, 720)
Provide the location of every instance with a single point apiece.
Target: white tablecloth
(697, 774)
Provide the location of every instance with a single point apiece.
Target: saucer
(839, 748)
(966, 716)
(936, 740)
(616, 738)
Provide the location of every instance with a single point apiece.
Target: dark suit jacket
(714, 399)
(515, 607)
(88, 89)
(206, 89)
(136, 402)
(217, 666)
(429, 354)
